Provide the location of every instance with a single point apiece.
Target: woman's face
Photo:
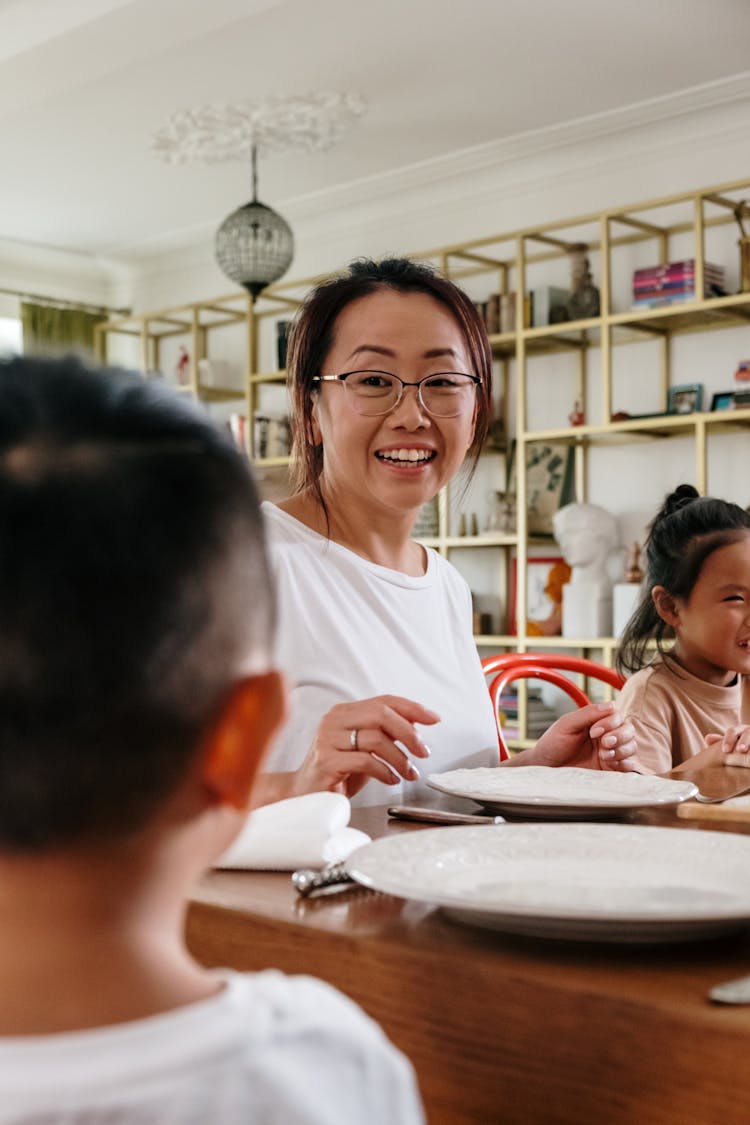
(393, 461)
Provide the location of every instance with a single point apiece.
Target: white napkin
(308, 831)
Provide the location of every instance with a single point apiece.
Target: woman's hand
(596, 737)
(357, 741)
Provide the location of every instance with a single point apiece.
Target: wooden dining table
(503, 1028)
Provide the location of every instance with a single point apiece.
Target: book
(663, 300)
(686, 266)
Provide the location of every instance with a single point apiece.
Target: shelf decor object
(685, 399)
(741, 211)
(723, 400)
(254, 244)
(549, 482)
(584, 295)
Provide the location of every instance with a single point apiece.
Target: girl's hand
(596, 737)
(731, 748)
(357, 741)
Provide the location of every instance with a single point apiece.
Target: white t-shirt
(350, 629)
(268, 1049)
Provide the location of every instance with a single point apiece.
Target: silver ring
(353, 736)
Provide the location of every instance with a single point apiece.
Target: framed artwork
(549, 482)
(539, 604)
(685, 399)
(724, 400)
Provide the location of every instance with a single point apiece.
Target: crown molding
(507, 151)
(499, 168)
(63, 274)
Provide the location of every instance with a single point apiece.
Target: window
(10, 335)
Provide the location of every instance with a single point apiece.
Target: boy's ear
(250, 717)
(665, 605)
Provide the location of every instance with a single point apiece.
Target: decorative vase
(584, 295)
(744, 245)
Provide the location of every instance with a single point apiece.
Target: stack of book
(675, 282)
(538, 715)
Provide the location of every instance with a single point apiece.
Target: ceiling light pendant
(254, 245)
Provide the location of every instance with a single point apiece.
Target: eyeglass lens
(376, 392)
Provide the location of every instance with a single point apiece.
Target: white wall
(41, 271)
(675, 144)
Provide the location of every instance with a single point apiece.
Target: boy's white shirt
(268, 1048)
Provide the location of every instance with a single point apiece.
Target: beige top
(673, 711)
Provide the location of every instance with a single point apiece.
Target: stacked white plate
(602, 882)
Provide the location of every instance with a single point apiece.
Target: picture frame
(538, 603)
(549, 482)
(723, 400)
(686, 398)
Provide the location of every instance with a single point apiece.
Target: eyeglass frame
(375, 371)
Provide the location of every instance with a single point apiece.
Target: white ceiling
(84, 84)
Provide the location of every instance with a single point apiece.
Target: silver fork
(311, 880)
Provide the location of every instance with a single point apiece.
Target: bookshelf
(598, 358)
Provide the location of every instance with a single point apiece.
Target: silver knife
(441, 816)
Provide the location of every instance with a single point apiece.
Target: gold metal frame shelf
(508, 261)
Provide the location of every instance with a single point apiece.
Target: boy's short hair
(134, 588)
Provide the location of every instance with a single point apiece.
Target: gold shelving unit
(506, 263)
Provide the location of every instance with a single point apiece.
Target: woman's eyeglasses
(444, 395)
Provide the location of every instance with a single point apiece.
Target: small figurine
(181, 367)
(576, 416)
(584, 296)
(551, 625)
(634, 573)
(502, 517)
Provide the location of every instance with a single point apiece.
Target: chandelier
(255, 245)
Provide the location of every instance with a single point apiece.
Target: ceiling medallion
(255, 245)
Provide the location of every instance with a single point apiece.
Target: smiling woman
(390, 375)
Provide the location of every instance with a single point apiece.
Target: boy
(136, 702)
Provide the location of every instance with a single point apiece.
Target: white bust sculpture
(588, 537)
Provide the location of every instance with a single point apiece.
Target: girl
(694, 697)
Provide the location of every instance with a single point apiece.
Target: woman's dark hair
(133, 580)
(685, 531)
(312, 338)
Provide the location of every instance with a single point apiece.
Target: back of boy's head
(684, 532)
(133, 584)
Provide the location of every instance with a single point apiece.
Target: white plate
(546, 792)
(593, 882)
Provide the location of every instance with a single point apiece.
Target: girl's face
(712, 625)
(392, 463)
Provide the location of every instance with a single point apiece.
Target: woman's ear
(665, 605)
(243, 731)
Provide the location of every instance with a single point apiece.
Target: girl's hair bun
(684, 494)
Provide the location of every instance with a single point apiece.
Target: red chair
(551, 667)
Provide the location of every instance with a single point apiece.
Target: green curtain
(49, 329)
